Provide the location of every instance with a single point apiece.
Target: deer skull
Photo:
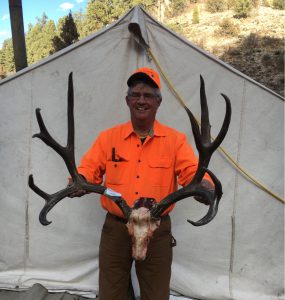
(141, 227)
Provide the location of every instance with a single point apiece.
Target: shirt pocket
(116, 170)
(160, 171)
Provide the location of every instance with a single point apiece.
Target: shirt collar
(157, 130)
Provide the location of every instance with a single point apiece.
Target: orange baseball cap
(145, 74)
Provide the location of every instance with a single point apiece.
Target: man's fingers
(78, 194)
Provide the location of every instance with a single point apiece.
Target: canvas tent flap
(239, 255)
(138, 29)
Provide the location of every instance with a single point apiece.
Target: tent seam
(233, 217)
(27, 223)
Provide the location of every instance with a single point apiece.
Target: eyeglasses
(146, 96)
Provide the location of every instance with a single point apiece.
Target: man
(141, 158)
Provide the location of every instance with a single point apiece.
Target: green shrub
(228, 28)
(177, 27)
(255, 3)
(272, 43)
(177, 7)
(195, 15)
(216, 5)
(266, 59)
(230, 4)
(266, 3)
(251, 42)
(242, 8)
(278, 4)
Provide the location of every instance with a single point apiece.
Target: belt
(125, 221)
(119, 219)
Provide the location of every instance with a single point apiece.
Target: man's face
(143, 103)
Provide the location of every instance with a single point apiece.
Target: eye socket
(149, 96)
(146, 96)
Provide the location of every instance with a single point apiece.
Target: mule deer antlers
(203, 143)
(67, 153)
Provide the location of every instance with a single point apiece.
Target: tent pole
(18, 34)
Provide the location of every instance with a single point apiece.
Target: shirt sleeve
(93, 163)
(186, 162)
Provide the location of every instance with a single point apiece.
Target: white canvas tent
(239, 255)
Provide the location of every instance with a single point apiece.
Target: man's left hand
(207, 185)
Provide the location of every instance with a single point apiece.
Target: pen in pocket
(114, 155)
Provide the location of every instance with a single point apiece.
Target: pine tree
(39, 39)
(195, 15)
(7, 56)
(100, 13)
(80, 22)
(43, 20)
(68, 33)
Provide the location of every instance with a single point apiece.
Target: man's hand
(78, 193)
(209, 187)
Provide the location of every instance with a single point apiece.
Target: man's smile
(142, 108)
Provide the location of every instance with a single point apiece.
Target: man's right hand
(78, 193)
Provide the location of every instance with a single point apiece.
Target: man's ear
(127, 100)
(159, 101)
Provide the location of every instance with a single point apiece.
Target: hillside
(254, 46)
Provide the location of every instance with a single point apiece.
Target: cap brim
(143, 77)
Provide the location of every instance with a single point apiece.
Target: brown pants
(115, 262)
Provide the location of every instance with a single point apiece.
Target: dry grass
(254, 45)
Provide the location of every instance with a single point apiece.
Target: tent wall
(239, 255)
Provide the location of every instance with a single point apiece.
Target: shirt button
(138, 145)
(138, 176)
(115, 165)
(139, 160)
(136, 193)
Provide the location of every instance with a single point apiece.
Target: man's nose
(141, 98)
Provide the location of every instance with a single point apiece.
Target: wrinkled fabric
(239, 255)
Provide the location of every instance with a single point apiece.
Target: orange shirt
(151, 169)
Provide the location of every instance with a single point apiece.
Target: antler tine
(44, 134)
(205, 124)
(37, 189)
(70, 162)
(50, 199)
(195, 129)
(212, 211)
(220, 137)
(67, 153)
(213, 200)
(70, 116)
(206, 149)
(193, 190)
